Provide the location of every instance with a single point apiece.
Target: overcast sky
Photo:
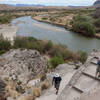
(51, 2)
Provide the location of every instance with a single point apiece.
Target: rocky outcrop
(97, 2)
(22, 65)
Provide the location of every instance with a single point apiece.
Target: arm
(53, 80)
(60, 79)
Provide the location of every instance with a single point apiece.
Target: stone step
(86, 83)
(96, 57)
(94, 60)
(91, 69)
(77, 89)
(89, 75)
(73, 94)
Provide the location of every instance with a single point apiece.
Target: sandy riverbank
(66, 26)
(64, 23)
(8, 31)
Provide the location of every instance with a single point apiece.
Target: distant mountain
(26, 5)
(97, 2)
(76, 6)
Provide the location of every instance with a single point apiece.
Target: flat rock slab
(91, 70)
(73, 94)
(93, 96)
(86, 83)
(94, 61)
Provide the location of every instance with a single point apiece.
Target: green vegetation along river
(29, 27)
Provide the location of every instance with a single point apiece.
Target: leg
(57, 88)
(96, 72)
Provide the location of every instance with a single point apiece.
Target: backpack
(98, 63)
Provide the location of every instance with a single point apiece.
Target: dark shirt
(98, 63)
(57, 79)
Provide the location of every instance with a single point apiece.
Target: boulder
(22, 65)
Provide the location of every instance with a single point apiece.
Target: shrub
(45, 85)
(20, 42)
(27, 97)
(57, 50)
(83, 18)
(5, 45)
(85, 28)
(44, 18)
(34, 45)
(83, 56)
(52, 19)
(97, 22)
(37, 92)
(32, 39)
(28, 43)
(43, 77)
(20, 89)
(2, 52)
(63, 52)
(48, 46)
(55, 61)
(84, 25)
(5, 18)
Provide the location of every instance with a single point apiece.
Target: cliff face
(97, 2)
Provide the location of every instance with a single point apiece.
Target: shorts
(98, 69)
(57, 85)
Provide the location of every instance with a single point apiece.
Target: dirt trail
(50, 94)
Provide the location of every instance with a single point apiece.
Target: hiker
(56, 82)
(98, 68)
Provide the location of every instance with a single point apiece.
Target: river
(29, 27)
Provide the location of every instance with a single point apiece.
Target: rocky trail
(51, 93)
(83, 82)
(66, 71)
(78, 85)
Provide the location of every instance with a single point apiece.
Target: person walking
(56, 82)
(98, 68)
